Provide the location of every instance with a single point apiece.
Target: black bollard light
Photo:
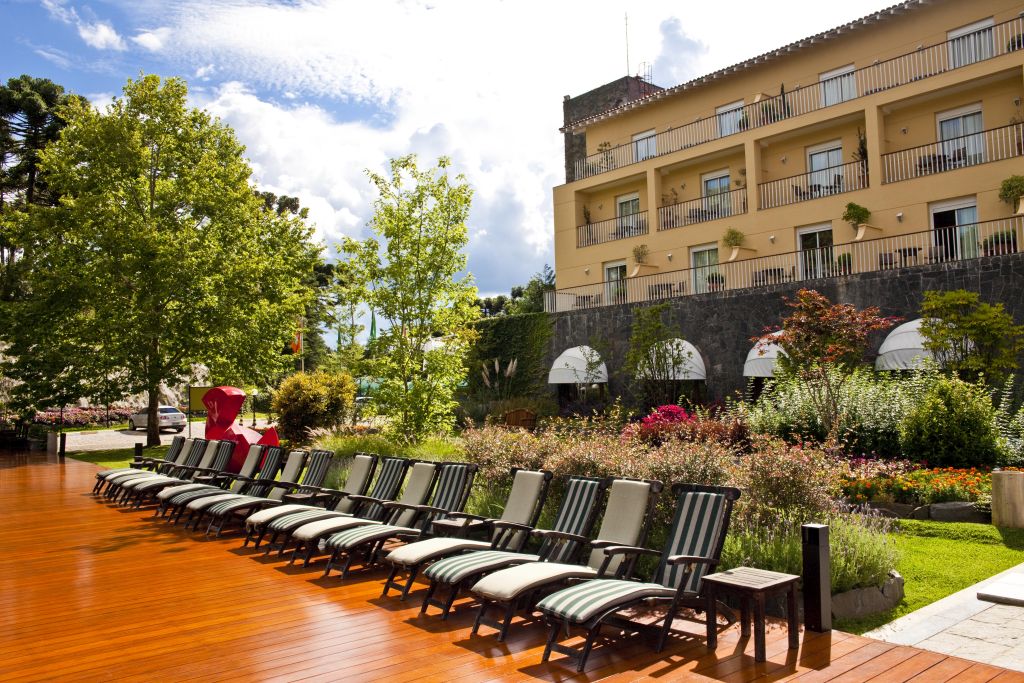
(817, 578)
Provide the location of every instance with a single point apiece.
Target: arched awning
(687, 361)
(903, 349)
(761, 360)
(578, 365)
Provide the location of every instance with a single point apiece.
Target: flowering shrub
(919, 486)
(667, 422)
(663, 422)
(81, 417)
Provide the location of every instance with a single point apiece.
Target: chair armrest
(284, 484)
(418, 508)
(627, 566)
(367, 499)
(691, 559)
(472, 518)
(499, 524)
(549, 533)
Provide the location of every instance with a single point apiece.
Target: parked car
(170, 418)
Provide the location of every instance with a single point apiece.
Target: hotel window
(729, 118)
(961, 133)
(628, 221)
(838, 85)
(704, 261)
(615, 281)
(815, 251)
(825, 168)
(954, 229)
(715, 188)
(970, 44)
(645, 145)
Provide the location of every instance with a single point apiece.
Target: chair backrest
(182, 455)
(316, 468)
(452, 491)
(360, 473)
(190, 458)
(523, 506)
(698, 528)
(387, 486)
(209, 453)
(580, 505)
(292, 468)
(268, 471)
(225, 449)
(627, 518)
(176, 445)
(249, 466)
(417, 491)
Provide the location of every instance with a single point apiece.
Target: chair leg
(484, 605)
(413, 573)
(510, 611)
(310, 549)
(390, 580)
(587, 646)
(447, 608)
(330, 562)
(552, 636)
(426, 598)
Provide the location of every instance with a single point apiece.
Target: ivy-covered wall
(525, 338)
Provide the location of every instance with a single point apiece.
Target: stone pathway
(964, 626)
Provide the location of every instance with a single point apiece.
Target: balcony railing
(953, 243)
(619, 228)
(959, 152)
(707, 208)
(814, 185)
(986, 43)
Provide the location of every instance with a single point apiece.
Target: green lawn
(940, 558)
(115, 457)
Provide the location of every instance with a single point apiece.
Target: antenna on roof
(628, 70)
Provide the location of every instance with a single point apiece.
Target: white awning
(688, 363)
(903, 349)
(761, 359)
(571, 367)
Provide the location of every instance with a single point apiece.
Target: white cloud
(204, 72)
(152, 40)
(481, 82)
(101, 36)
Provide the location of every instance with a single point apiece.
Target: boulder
(922, 512)
(863, 602)
(958, 511)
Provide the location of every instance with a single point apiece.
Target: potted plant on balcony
(844, 264)
(1003, 242)
(1012, 190)
(734, 239)
(855, 215)
(1015, 43)
(716, 282)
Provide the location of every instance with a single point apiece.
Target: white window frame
(645, 145)
(836, 73)
(951, 205)
(726, 109)
(975, 27)
(968, 202)
(614, 290)
(700, 287)
(720, 206)
(822, 268)
(974, 108)
(974, 147)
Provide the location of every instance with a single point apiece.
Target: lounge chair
(410, 520)
(172, 500)
(357, 481)
(222, 512)
(509, 532)
(110, 477)
(370, 509)
(580, 506)
(140, 463)
(692, 548)
(121, 486)
(259, 486)
(176, 474)
(215, 460)
(626, 521)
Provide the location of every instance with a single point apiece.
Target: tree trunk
(153, 417)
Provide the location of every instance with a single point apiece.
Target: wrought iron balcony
(985, 43)
(618, 228)
(940, 245)
(814, 185)
(983, 147)
(707, 208)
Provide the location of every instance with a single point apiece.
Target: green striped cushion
(237, 503)
(316, 470)
(188, 496)
(386, 487)
(583, 601)
(264, 517)
(580, 497)
(695, 530)
(172, 491)
(350, 538)
(297, 519)
(454, 569)
(450, 486)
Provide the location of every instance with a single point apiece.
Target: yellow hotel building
(913, 113)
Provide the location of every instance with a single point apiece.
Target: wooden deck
(89, 591)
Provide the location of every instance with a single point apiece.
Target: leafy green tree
(654, 357)
(416, 282)
(952, 424)
(158, 257)
(969, 337)
(530, 298)
(824, 343)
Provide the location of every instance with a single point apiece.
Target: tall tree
(530, 298)
(158, 257)
(416, 281)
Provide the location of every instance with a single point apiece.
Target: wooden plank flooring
(89, 591)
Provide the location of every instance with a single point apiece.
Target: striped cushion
(350, 538)
(172, 491)
(695, 530)
(139, 481)
(583, 601)
(450, 486)
(207, 501)
(264, 516)
(510, 582)
(297, 519)
(189, 496)
(580, 497)
(157, 483)
(225, 507)
(454, 569)
(423, 551)
(392, 472)
(307, 532)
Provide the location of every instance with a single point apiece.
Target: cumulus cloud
(680, 54)
(101, 36)
(152, 40)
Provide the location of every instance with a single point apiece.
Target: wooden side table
(749, 584)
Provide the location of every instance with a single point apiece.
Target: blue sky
(319, 91)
